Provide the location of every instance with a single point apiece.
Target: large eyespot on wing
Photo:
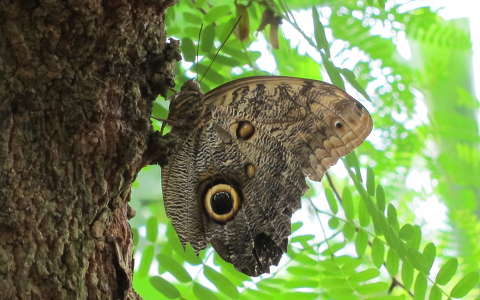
(221, 202)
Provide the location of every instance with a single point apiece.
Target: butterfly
(240, 156)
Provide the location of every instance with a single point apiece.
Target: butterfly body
(241, 156)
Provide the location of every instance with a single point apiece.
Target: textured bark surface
(77, 79)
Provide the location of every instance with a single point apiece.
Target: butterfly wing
(256, 141)
(316, 121)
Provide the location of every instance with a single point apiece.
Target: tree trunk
(77, 80)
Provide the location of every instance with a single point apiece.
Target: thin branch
(330, 182)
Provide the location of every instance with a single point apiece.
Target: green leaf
(392, 217)
(347, 203)
(332, 248)
(332, 72)
(379, 221)
(435, 293)
(190, 256)
(465, 285)
(257, 294)
(363, 216)
(373, 288)
(208, 37)
(407, 275)
(350, 76)
(416, 237)
(319, 32)
(305, 259)
(356, 166)
(365, 275)
(299, 295)
(227, 61)
(135, 236)
(332, 202)
(192, 18)
(392, 262)
(377, 252)
(333, 223)
(370, 182)
(310, 193)
(420, 287)
(352, 161)
(390, 237)
(301, 283)
(236, 277)
(158, 111)
(348, 231)
(188, 49)
(202, 292)
(429, 253)
(296, 226)
(333, 282)
(152, 229)
(147, 258)
(341, 293)
(299, 65)
(216, 13)
(221, 282)
(447, 271)
(416, 259)
(406, 232)
(349, 264)
(330, 265)
(212, 75)
(164, 287)
(303, 271)
(380, 197)
(271, 284)
(173, 267)
(302, 238)
(385, 298)
(361, 242)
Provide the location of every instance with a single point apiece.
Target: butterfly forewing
(315, 120)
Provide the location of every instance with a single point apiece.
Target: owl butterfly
(241, 155)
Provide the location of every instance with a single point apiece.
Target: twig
(330, 182)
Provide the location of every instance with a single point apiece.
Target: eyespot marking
(245, 130)
(221, 202)
(250, 170)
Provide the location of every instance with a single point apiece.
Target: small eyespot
(221, 202)
(245, 130)
(338, 124)
(250, 170)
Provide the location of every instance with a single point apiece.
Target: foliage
(371, 245)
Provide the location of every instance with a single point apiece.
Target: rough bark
(77, 79)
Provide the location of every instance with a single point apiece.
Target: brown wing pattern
(316, 121)
(260, 137)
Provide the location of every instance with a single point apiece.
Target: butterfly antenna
(220, 48)
(198, 47)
